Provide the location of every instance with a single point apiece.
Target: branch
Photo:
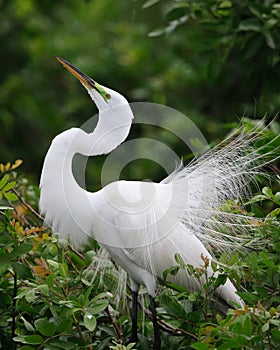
(27, 205)
(117, 329)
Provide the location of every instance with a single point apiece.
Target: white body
(142, 225)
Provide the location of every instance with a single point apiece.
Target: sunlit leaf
(251, 24)
(98, 306)
(149, 3)
(12, 197)
(90, 321)
(9, 186)
(29, 339)
(3, 181)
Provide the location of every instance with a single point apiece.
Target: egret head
(103, 97)
(115, 116)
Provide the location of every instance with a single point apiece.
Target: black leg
(156, 326)
(134, 338)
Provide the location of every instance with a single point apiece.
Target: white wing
(145, 231)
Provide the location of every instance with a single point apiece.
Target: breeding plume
(143, 225)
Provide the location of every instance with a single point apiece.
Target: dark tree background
(215, 61)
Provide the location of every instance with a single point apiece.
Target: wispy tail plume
(216, 184)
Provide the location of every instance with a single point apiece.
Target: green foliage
(44, 299)
(53, 297)
(122, 347)
(212, 65)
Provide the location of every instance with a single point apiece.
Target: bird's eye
(108, 96)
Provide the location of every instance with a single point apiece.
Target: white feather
(143, 225)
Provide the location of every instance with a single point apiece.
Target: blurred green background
(214, 61)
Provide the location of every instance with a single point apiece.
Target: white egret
(141, 224)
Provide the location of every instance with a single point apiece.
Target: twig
(14, 306)
(79, 329)
(74, 250)
(33, 211)
(165, 326)
(117, 329)
(21, 216)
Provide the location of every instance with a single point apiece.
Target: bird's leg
(134, 338)
(155, 324)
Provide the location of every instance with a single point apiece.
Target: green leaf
(77, 259)
(45, 327)
(89, 321)
(65, 326)
(4, 266)
(9, 186)
(87, 294)
(53, 263)
(253, 46)
(265, 327)
(63, 269)
(173, 307)
(29, 339)
(267, 191)
(3, 181)
(170, 271)
(251, 24)
(20, 250)
(220, 280)
(149, 3)
(256, 10)
(30, 296)
(23, 271)
(52, 248)
(274, 213)
(27, 325)
(232, 344)
(256, 199)
(276, 335)
(5, 207)
(272, 22)
(200, 346)
(44, 289)
(174, 286)
(157, 32)
(179, 260)
(242, 325)
(63, 345)
(270, 40)
(49, 280)
(249, 298)
(98, 307)
(233, 259)
(193, 297)
(176, 13)
(247, 327)
(12, 197)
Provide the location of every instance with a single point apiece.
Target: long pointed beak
(84, 79)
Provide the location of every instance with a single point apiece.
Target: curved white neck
(112, 129)
(62, 201)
